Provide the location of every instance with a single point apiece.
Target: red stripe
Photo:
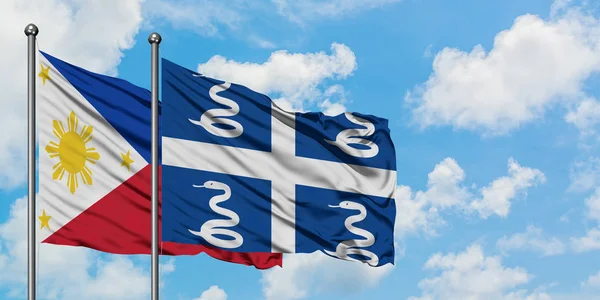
(120, 223)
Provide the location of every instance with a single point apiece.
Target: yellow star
(126, 159)
(45, 220)
(44, 74)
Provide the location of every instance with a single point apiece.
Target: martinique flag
(94, 166)
(244, 175)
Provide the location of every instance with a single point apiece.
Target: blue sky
(493, 113)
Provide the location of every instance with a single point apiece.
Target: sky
(492, 105)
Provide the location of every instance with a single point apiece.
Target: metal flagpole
(31, 32)
(154, 39)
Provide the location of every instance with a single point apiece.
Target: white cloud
(559, 6)
(533, 65)
(532, 239)
(305, 274)
(586, 116)
(261, 42)
(585, 175)
(168, 266)
(301, 11)
(335, 98)
(590, 242)
(201, 16)
(331, 109)
(210, 17)
(286, 105)
(117, 279)
(415, 214)
(592, 282)
(523, 295)
(593, 205)
(295, 77)
(68, 272)
(427, 53)
(76, 31)
(420, 211)
(496, 196)
(472, 275)
(443, 185)
(213, 293)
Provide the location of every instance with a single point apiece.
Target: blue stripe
(124, 105)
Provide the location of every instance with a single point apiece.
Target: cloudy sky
(493, 110)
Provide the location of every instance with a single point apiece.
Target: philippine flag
(94, 171)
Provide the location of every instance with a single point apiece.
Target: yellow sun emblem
(72, 151)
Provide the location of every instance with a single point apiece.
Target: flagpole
(31, 32)
(154, 39)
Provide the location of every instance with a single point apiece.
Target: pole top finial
(154, 38)
(31, 29)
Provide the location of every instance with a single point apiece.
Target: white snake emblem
(219, 115)
(355, 136)
(349, 247)
(209, 228)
